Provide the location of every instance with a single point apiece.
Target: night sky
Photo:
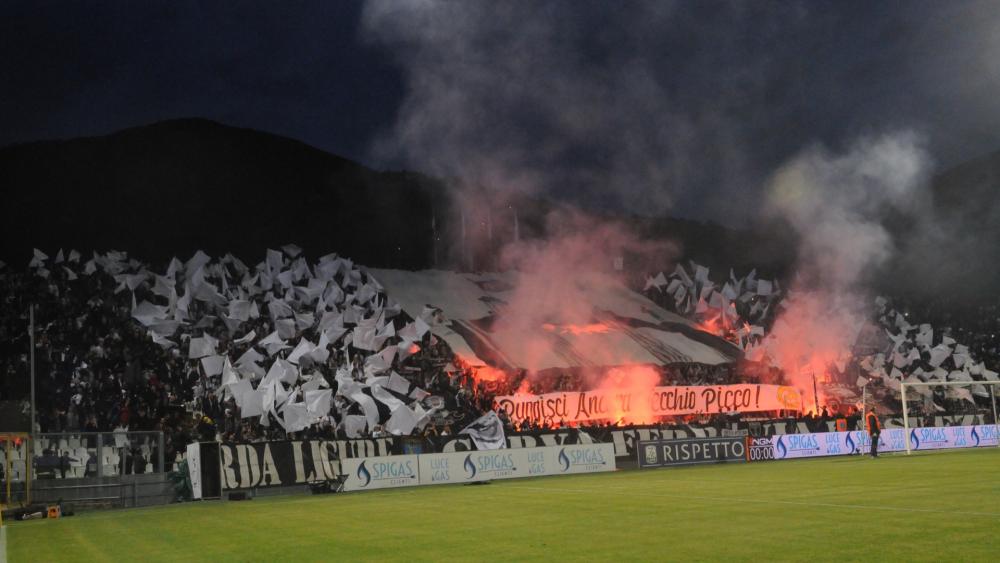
(298, 69)
(677, 107)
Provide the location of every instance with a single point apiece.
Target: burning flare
(630, 382)
(576, 330)
(488, 374)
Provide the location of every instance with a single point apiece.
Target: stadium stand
(216, 349)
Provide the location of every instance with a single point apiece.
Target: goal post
(993, 386)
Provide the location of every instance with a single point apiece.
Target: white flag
(487, 432)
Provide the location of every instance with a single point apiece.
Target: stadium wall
(249, 466)
(267, 465)
(284, 464)
(663, 453)
(891, 440)
(626, 440)
(126, 491)
(477, 466)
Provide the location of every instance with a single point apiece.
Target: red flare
(576, 330)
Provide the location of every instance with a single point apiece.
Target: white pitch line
(770, 501)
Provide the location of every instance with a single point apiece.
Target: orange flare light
(524, 388)
(626, 382)
(576, 330)
(487, 373)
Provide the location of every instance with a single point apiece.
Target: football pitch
(939, 506)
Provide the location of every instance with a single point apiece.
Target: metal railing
(73, 455)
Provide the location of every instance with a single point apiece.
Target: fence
(112, 467)
(83, 455)
(109, 492)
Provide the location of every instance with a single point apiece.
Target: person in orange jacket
(874, 430)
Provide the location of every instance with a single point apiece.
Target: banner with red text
(580, 406)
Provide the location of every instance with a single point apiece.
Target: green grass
(935, 507)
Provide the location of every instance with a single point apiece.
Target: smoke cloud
(676, 107)
(548, 101)
(576, 101)
(840, 204)
(562, 274)
(654, 109)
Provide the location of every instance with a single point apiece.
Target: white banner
(194, 468)
(585, 458)
(380, 472)
(580, 406)
(467, 467)
(792, 446)
(953, 437)
(486, 432)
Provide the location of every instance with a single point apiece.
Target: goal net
(949, 414)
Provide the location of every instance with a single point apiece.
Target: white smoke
(839, 205)
(559, 99)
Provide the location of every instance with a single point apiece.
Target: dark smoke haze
(692, 108)
(686, 108)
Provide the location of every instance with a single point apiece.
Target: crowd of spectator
(96, 370)
(99, 370)
(975, 325)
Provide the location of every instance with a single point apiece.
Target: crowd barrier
(627, 440)
(470, 467)
(890, 440)
(661, 453)
(281, 464)
(310, 460)
(78, 455)
(290, 463)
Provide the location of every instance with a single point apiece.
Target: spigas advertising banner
(384, 472)
(467, 467)
(477, 466)
(791, 446)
